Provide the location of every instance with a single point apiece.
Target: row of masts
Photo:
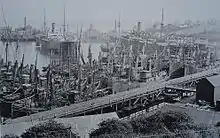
(79, 53)
(118, 42)
(118, 35)
(7, 44)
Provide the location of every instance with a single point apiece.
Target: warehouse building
(208, 89)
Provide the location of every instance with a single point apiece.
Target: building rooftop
(214, 80)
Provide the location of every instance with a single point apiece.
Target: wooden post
(12, 114)
(141, 100)
(101, 110)
(129, 104)
(70, 132)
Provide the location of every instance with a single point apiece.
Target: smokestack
(53, 27)
(138, 26)
(91, 27)
(162, 18)
(25, 22)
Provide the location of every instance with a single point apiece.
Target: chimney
(53, 27)
(25, 22)
(91, 27)
(138, 26)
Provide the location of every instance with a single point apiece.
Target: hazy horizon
(102, 13)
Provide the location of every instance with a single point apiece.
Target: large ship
(93, 36)
(52, 40)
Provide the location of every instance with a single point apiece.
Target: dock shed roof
(214, 80)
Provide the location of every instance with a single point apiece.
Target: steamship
(93, 36)
(51, 40)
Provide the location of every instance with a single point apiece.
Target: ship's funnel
(53, 27)
(25, 22)
(138, 26)
(91, 27)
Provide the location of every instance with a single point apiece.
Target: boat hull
(49, 44)
(180, 70)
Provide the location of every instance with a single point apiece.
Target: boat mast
(119, 26)
(6, 54)
(36, 81)
(130, 66)
(15, 72)
(64, 22)
(69, 64)
(115, 25)
(36, 71)
(161, 24)
(7, 32)
(215, 56)
(77, 32)
(22, 63)
(51, 87)
(45, 31)
(79, 66)
(90, 55)
(16, 51)
(116, 32)
(119, 42)
(108, 55)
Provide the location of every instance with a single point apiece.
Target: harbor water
(30, 51)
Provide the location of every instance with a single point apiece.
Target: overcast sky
(102, 13)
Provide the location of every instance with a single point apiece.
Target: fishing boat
(107, 47)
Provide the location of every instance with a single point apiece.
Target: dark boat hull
(178, 73)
